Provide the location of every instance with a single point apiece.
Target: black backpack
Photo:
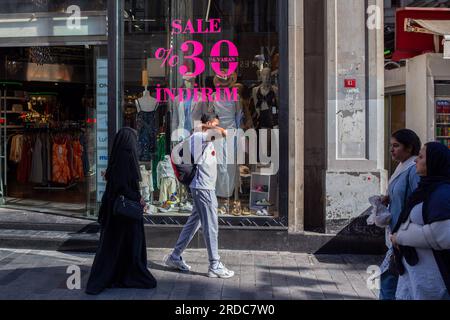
(185, 168)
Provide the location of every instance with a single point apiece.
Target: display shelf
(442, 137)
(443, 123)
(443, 114)
(262, 179)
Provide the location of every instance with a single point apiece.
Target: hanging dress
(60, 164)
(78, 172)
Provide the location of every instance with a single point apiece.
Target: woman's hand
(143, 203)
(385, 200)
(394, 241)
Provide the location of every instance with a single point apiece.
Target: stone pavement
(42, 275)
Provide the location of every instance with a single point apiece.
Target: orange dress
(61, 170)
(78, 172)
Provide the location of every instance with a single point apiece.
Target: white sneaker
(220, 272)
(176, 264)
(187, 207)
(263, 213)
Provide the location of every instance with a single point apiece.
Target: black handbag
(128, 208)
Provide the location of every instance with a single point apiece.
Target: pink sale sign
(191, 51)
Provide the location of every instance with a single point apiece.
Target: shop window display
(183, 59)
(47, 134)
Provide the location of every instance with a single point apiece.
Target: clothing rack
(32, 128)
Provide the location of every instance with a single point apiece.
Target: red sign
(350, 83)
(411, 44)
(2, 121)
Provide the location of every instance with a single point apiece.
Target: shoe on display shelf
(167, 207)
(263, 213)
(246, 212)
(236, 211)
(186, 207)
(263, 203)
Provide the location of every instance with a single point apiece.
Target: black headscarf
(125, 141)
(438, 174)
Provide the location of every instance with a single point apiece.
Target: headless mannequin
(266, 105)
(265, 89)
(146, 103)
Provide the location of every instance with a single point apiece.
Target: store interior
(48, 126)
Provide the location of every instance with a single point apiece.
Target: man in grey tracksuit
(204, 213)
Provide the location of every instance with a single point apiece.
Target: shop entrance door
(48, 121)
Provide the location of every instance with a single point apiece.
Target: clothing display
(185, 114)
(77, 155)
(167, 188)
(166, 179)
(230, 115)
(37, 170)
(16, 148)
(146, 185)
(159, 156)
(147, 131)
(24, 168)
(147, 103)
(45, 159)
(60, 164)
(268, 109)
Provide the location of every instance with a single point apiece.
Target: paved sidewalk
(31, 275)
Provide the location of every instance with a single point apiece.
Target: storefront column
(296, 116)
(355, 108)
(115, 53)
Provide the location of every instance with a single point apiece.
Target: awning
(436, 27)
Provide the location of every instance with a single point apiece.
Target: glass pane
(186, 59)
(48, 105)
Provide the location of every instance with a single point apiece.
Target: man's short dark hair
(208, 117)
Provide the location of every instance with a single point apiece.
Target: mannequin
(146, 107)
(166, 179)
(265, 101)
(146, 103)
(230, 115)
(146, 185)
(186, 111)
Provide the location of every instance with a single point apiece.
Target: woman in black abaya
(121, 259)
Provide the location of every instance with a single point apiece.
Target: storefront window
(184, 59)
(53, 78)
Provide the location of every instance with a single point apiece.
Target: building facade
(299, 82)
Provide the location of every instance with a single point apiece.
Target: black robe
(121, 259)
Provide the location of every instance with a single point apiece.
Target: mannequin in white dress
(230, 115)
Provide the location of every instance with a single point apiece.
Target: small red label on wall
(2, 121)
(350, 83)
